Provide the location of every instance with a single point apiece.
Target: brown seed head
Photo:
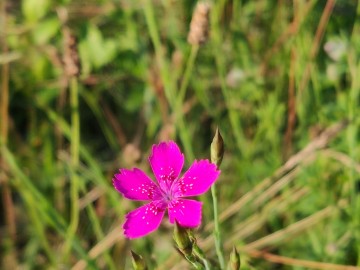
(71, 57)
(199, 26)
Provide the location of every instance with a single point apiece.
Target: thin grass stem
(169, 87)
(39, 228)
(217, 235)
(163, 65)
(24, 185)
(75, 146)
(187, 74)
(9, 209)
(99, 235)
(233, 116)
(353, 128)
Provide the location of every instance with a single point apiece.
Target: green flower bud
(234, 260)
(217, 148)
(138, 262)
(182, 239)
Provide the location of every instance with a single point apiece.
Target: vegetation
(87, 87)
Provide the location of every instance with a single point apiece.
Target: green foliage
(34, 10)
(271, 76)
(95, 50)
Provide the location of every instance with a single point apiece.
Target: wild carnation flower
(167, 192)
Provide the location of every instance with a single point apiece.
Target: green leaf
(46, 30)
(34, 10)
(99, 51)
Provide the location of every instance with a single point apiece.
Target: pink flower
(167, 192)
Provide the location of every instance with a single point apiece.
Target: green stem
(191, 259)
(25, 188)
(39, 228)
(183, 130)
(169, 87)
(100, 235)
(217, 236)
(6, 194)
(75, 122)
(74, 149)
(187, 74)
(200, 254)
(163, 66)
(220, 66)
(353, 128)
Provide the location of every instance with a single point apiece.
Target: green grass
(277, 77)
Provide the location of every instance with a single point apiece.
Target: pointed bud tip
(217, 148)
(234, 259)
(138, 261)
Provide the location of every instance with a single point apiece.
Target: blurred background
(87, 87)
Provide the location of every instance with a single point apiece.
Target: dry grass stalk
(318, 143)
(302, 263)
(110, 240)
(294, 229)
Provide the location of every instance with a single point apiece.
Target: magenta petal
(166, 161)
(144, 220)
(136, 185)
(197, 179)
(186, 212)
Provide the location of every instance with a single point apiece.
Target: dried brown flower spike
(199, 26)
(71, 57)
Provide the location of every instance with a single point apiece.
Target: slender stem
(183, 130)
(353, 128)
(187, 74)
(4, 101)
(39, 228)
(4, 127)
(220, 66)
(200, 254)
(163, 65)
(236, 127)
(60, 183)
(75, 135)
(25, 186)
(169, 86)
(217, 236)
(194, 262)
(75, 122)
(74, 185)
(100, 235)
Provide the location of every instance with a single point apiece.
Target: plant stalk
(74, 151)
(9, 209)
(187, 74)
(169, 87)
(217, 235)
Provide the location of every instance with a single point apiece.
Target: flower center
(166, 186)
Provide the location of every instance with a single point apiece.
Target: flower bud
(182, 239)
(217, 148)
(138, 262)
(234, 260)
